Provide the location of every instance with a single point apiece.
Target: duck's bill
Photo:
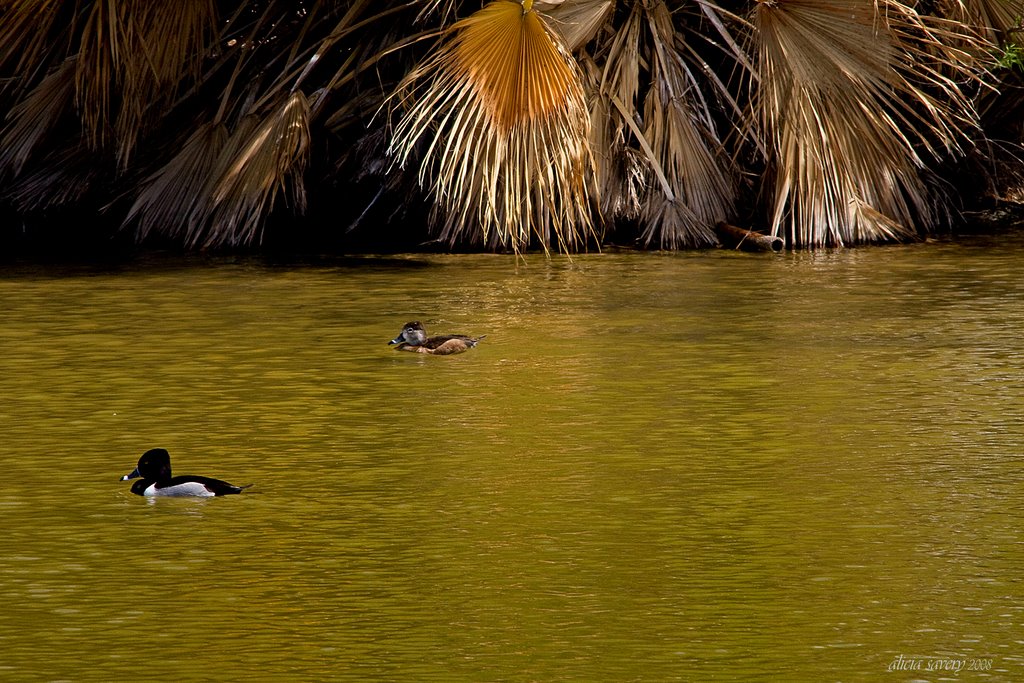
(134, 474)
(396, 340)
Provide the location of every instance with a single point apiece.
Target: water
(685, 467)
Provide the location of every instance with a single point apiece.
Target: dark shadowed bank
(388, 125)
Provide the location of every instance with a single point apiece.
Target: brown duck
(414, 338)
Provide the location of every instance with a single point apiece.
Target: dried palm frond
(853, 101)
(167, 200)
(26, 35)
(171, 55)
(576, 20)
(1000, 20)
(361, 55)
(689, 181)
(682, 135)
(443, 9)
(619, 169)
(63, 177)
(105, 41)
(261, 158)
(133, 54)
(613, 110)
(159, 61)
(32, 119)
(502, 110)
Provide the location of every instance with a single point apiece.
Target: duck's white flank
(190, 488)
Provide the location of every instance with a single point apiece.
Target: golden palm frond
(851, 98)
(502, 112)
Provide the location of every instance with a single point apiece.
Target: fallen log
(747, 240)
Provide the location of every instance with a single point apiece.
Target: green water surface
(656, 467)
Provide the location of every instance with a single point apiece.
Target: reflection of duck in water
(414, 338)
(155, 470)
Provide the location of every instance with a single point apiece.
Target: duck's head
(155, 465)
(412, 334)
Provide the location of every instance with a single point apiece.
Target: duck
(155, 469)
(414, 338)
